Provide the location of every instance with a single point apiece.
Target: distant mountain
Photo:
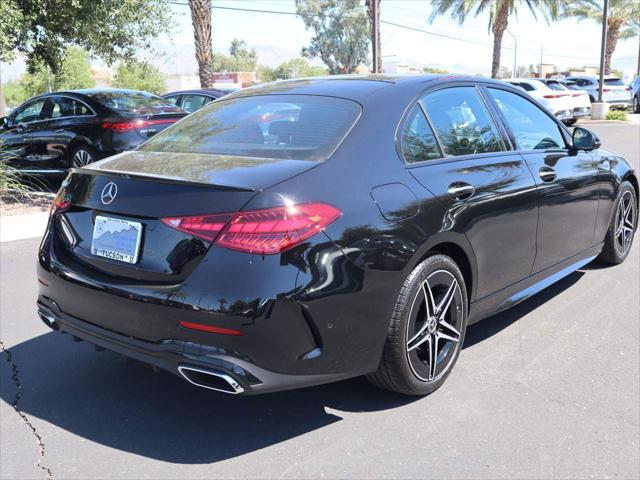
(123, 240)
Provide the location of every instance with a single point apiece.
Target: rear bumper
(580, 112)
(564, 114)
(181, 357)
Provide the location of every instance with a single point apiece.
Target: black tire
(403, 368)
(82, 155)
(571, 122)
(636, 104)
(619, 239)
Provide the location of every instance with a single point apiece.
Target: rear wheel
(426, 331)
(82, 155)
(568, 123)
(636, 104)
(619, 239)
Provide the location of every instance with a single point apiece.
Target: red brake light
(60, 204)
(265, 232)
(606, 89)
(559, 95)
(128, 126)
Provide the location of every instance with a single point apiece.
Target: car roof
(353, 87)
(202, 91)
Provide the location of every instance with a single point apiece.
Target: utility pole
(603, 46)
(541, 55)
(374, 18)
(638, 68)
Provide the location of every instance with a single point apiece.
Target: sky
(277, 38)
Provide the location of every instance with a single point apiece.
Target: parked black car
(53, 132)
(192, 100)
(377, 218)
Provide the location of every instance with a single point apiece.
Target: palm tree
(201, 19)
(623, 21)
(499, 13)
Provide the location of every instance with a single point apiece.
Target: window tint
(298, 127)
(555, 86)
(462, 122)
(417, 141)
(173, 99)
(191, 103)
(140, 103)
(68, 107)
(532, 128)
(29, 113)
(583, 83)
(616, 82)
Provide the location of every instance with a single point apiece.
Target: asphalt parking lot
(549, 389)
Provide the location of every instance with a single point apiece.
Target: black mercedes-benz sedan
(56, 131)
(308, 231)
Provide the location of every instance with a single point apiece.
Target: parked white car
(558, 103)
(614, 91)
(579, 98)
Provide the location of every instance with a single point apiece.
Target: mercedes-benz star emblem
(109, 193)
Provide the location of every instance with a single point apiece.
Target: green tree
(240, 58)
(623, 21)
(10, 20)
(499, 13)
(75, 71)
(294, 68)
(340, 32)
(111, 29)
(138, 75)
(435, 70)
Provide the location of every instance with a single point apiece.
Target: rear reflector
(265, 232)
(209, 328)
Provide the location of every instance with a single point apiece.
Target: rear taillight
(264, 232)
(128, 126)
(559, 95)
(606, 89)
(60, 204)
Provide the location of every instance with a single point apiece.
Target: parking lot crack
(15, 375)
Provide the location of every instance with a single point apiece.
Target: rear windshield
(297, 127)
(138, 103)
(614, 81)
(555, 86)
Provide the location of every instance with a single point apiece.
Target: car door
(566, 180)
(15, 137)
(487, 190)
(67, 118)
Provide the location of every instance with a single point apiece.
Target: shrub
(617, 115)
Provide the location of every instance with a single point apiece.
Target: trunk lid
(148, 187)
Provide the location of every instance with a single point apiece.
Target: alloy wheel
(81, 158)
(625, 223)
(435, 322)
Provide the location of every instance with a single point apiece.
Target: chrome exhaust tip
(218, 381)
(48, 320)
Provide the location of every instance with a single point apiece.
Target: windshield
(555, 86)
(614, 81)
(297, 127)
(138, 103)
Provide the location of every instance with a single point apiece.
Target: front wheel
(619, 239)
(426, 331)
(636, 104)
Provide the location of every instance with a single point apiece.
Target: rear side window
(297, 127)
(135, 103)
(531, 127)
(461, 121)
(68, 107)
(418, 142)
(191, 103)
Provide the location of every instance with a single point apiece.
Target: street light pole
(515, 54)
(603, 46)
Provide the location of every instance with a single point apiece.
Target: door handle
(461, 190)
(547, 174)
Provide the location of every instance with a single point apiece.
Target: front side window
(68, 107)
(29, 113)
(296, 127)
(417, 141)
(532, 128)
(461, 121)
(191, 103)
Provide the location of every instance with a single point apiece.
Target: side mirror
(584, 139)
